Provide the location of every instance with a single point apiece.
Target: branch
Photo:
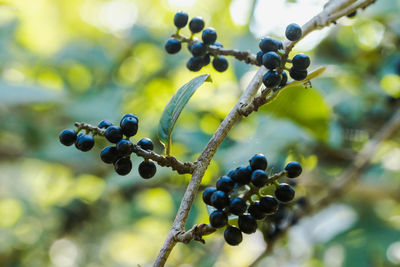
(196, 233)
(164, 161)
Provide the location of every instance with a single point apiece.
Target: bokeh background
(63, 61)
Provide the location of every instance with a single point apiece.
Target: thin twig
(196, 233)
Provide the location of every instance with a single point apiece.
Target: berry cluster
(228, 200)
(201, 54)
(270, 57)
(118, 154)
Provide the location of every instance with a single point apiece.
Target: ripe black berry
(225, 183)
(206, 59)
(219, 199)
(271, 60)
(209, 36)
(259, 57)
(129, 126)
(242, 175)
(130, 115)
(259, 178)
(124, 147)
(194, 64)
(218, 219)
(283, 80)
(269, 44)
(271, 79)
(293, 32)
(196, 25)
(293, 169)
(109, 154)
(237, 206)
(198, 49)
(258, 162)
(146, 144)
(297, 75)
(301, 62)
(123, 166)
(220, 63)
(207, 195)
(247, 224)
(147, 169)
(67, 137)
(269, 204)
(104, 124)
(181, 19)
(84, 142)
(284, 192)
(173, 46)
(233, 236)
(113, 134)
(256, 211)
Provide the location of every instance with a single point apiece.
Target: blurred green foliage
(73, 60)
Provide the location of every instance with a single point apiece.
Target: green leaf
(311, 75)
(174, 108)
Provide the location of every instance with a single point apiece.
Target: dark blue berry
(195, 63)
(293, 32)
(130, 115)
(242, 175)
(259, 178)
(207, 195)
(196, 25)
(230, 173)
(297, 75)
(283, 80)
(104, 124)
(113, 134)
(147, 169)
(220, 63)
(271, 60)
(206, 59)
(84, 142)
(218, 219)
(225, 183)
(146, 144)
(173, 46)
(181, 19)
(209, 36)
(125, 147)
(258, 162)
(269, 204)
(259, 57)
(109, 154)
(256, 211)
(269, 44)
(284, 192)
(123, 166)
(237, 206)
(271, 79)
(247, 224)
(219, 199)
(198, 49)
(301, 62)
(293, 169)
(233, 236)
(129, 126)
(67, 137)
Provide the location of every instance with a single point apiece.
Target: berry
(220, 63)
(259, 178)
(109, 154)
(84, 142)
(196, 25)
(207, 195)
(147, 169)
(209, 36)
(129, 126)
(67, 137)
(242, 175)
(293, 169)
(225, 183)
(237, 206)
(297, 75)
(230, 173)
(113, 134)
(301, 62)
(259, 57)
(181, 19)
(247, 224)
(104, 124)
(146, 144)
(123, 166)
(218, 219)
(173, 46)
(293, 32)
(269, 204)
(218, 44)
(219, 199)
(233, 236)
(194, 64)
(206, 59)
(271, 60)
(198, 49)
(269, 44)
(283, 80)
(284, 192)
(124, 147)
(258, 162)
(256, 211)
(271, 79)
(130, 115)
